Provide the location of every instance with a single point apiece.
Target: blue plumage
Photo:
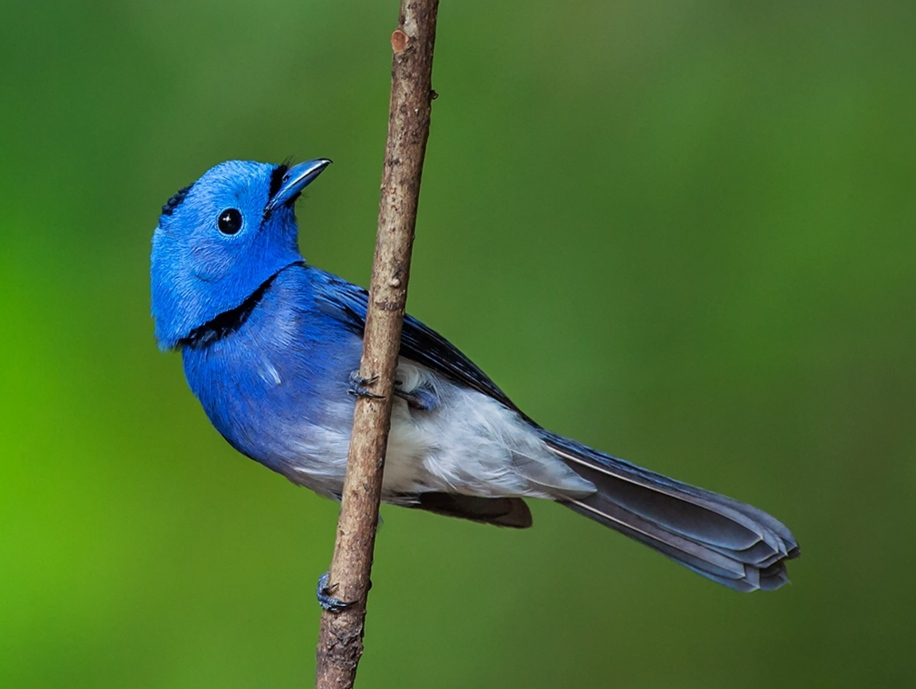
(269, 344)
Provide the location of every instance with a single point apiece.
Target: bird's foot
(421, 399)
(358, 386)
(325, 596)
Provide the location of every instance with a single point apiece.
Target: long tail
(728, 541)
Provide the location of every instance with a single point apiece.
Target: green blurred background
(679, 231)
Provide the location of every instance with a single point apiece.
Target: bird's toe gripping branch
(324, 594)
(359, 386)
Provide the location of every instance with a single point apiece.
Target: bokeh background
(680, 231)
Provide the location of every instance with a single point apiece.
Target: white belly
(468, 444)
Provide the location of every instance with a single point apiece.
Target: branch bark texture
(340, 643)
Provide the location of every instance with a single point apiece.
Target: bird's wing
(347, 303)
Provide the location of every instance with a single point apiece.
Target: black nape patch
(176, 200)
(276, 179)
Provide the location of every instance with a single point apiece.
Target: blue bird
(270, 346)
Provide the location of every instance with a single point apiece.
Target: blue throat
(229, 321)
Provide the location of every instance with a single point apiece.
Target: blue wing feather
(348, 303)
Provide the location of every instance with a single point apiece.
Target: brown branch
(340, 642)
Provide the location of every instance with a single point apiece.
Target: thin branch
(340, 642)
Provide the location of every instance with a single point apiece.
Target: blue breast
(281, 367)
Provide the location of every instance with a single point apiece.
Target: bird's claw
(325, 598)
(421, 399)
(358, 386)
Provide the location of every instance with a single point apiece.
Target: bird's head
(220, 239)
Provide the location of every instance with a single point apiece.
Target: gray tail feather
(725, 540)
(511, 512)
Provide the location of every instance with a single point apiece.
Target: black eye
(230, 221)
